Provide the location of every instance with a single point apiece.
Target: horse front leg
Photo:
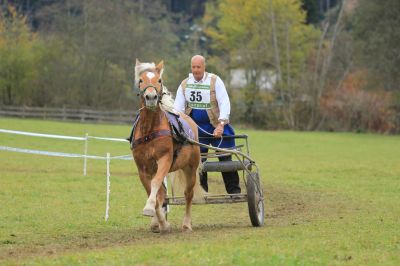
(150, 207)
(190, 175)
(145, 178)
(153, 206)
(155, 225)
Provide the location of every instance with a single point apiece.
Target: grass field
(331, 199)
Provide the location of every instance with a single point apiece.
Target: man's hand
(218, 130)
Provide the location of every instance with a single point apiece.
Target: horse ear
(160, 68)
(138, 62)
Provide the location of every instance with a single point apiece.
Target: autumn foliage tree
(352, 108)
(269, 40)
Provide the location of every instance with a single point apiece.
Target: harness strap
(150, 137)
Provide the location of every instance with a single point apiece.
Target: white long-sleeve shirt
(221, 94)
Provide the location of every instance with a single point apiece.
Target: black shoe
(235, 196)
(235, 191)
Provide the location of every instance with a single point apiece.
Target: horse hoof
(187, 229)
(166, 229)
(149, 212)
(155, 229)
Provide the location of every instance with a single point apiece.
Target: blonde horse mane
(141, 67)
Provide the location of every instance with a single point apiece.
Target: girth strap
(150, 137)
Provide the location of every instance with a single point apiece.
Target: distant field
(331, 199)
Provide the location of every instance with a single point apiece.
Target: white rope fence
(85, 156)
(40, 135)
(57, 154)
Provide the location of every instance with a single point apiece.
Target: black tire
(255, 200)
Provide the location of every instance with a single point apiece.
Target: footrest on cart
(210, 199)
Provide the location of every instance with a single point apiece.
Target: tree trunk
(288, 80)
(275, 42)
(325, 67)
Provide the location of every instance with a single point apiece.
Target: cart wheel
(255, 200)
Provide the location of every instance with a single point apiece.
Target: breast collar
(180, 131)
(150, 137)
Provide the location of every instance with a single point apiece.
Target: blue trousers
(231, 179)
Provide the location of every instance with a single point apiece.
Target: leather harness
(150, 137)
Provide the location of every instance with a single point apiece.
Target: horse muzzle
(151, 99)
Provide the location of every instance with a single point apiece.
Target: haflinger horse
(156, 152)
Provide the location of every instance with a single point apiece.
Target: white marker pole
(108, 187)
(85, 152)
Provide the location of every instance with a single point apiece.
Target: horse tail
(199, 192)
(178, 184)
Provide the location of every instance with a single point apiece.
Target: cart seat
(225, 166)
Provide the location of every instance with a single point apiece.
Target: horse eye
(140, 81)
(159, 81)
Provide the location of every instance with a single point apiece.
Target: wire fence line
(85, 156)
(58, 136)
(62, 154)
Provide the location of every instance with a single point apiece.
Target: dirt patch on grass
(284, 206)
(286, 202)
(68, 243)
(62, 245)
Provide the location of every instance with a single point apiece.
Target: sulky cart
(241, 162)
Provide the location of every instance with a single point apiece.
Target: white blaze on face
(150, 75)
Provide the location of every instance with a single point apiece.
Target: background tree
(317, 58)
(18, 58)
(377, 37)
(269, 40)
(375, 30)
(101, 58)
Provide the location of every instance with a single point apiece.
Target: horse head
(148, 79)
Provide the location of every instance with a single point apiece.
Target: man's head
(198, 64)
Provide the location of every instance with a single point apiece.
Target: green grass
(331, 199)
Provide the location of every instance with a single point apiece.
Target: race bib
(198, 96)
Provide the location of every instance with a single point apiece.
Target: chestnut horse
(155, 151)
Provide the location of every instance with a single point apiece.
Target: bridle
(142, 92)
(154, 134)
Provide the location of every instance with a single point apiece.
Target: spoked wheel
(255, 199)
